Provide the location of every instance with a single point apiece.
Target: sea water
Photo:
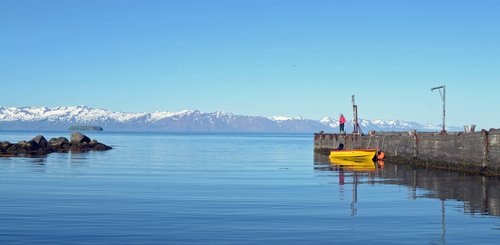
(159, 188)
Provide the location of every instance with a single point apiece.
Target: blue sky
(272, 57)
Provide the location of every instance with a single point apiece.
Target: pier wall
(479, 151)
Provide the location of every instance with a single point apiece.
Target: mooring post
(486, 148)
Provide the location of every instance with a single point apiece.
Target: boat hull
(352, 155)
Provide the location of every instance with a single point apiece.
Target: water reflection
(39, 160)
(479, 194)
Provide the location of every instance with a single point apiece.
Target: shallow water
(234, 189)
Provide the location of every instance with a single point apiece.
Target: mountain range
(63, 117)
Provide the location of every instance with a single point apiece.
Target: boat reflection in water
(479, 194)
(357, 168)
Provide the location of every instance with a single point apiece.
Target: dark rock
(102, 147)
(77, 138)
(80, 147)
(58, 144)
(27, 147)
(4, 145)
(18, 148)
(32, 146)
(25, 144)
(66, 147)
(83, 146)
(13, 149)
(43, 151)
(40, 140)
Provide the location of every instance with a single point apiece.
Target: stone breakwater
(39, 146)
(474, 152)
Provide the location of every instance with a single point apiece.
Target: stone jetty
(39, 146)
(466, 151)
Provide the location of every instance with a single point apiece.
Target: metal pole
(355, 115)
(356, 129)
(444, 108)
(443, 97)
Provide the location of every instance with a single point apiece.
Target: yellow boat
(352, 155)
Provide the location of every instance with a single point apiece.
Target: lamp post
(443, 97)
(355, 116)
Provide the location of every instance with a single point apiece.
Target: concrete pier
(473, 152)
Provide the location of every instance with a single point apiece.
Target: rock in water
(58, 144)
(102, 147)
(40, 140)
(4, 146)
(77, 138)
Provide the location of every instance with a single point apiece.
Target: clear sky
(256, 57)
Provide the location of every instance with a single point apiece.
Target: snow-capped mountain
(60, 118)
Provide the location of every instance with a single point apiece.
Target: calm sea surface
(234, 189)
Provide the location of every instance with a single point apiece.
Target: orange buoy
(381, 155)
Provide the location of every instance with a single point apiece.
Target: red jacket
(342, 120)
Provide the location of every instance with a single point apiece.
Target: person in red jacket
(342, 122)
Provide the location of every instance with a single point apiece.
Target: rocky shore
(39, 146)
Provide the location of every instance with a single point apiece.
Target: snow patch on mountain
(284, 118)
(330, 122)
